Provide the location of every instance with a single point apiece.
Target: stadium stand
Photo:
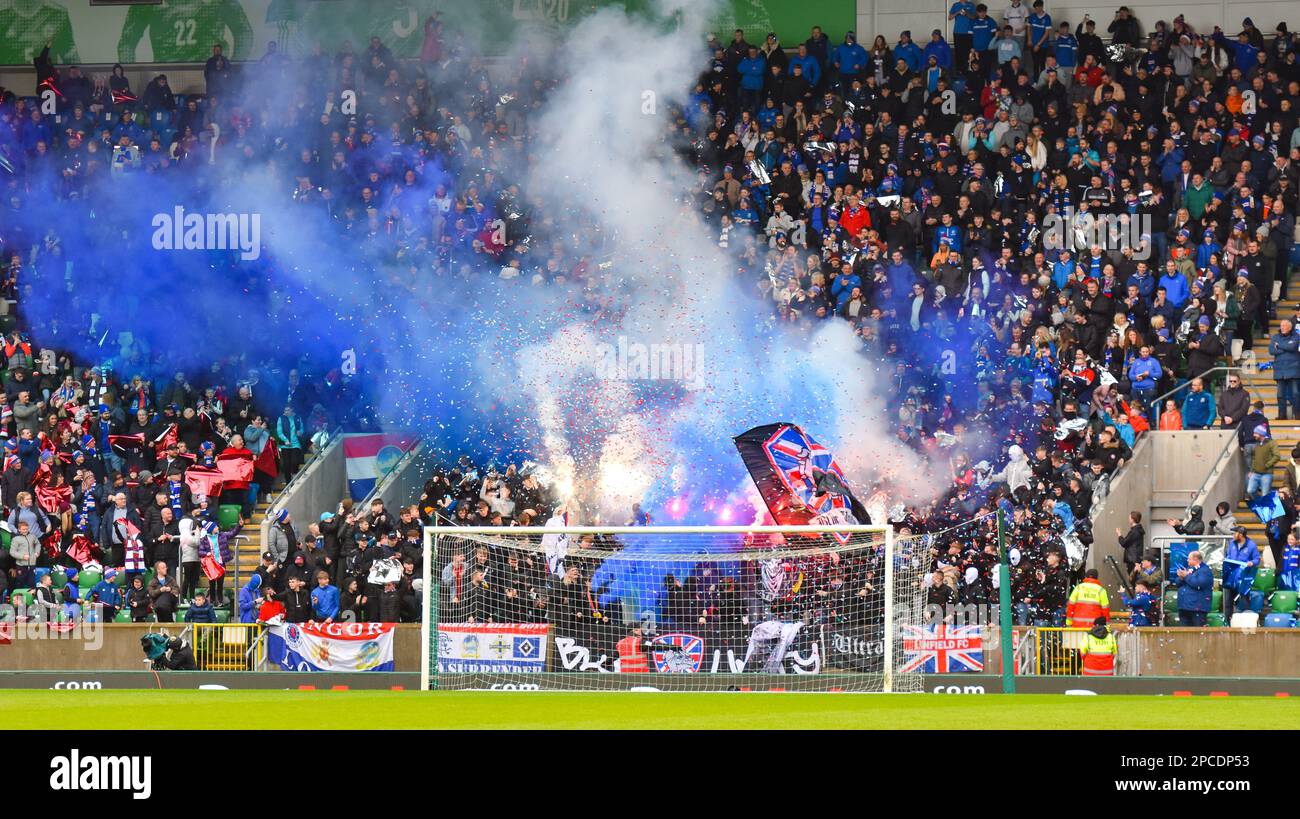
(1093, 225)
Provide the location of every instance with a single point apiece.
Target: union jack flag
(680, 653)
(942, 649)
(804, 466)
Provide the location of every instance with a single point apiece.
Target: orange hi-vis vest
(1088, 601)
(1099, 656)
(632, 660)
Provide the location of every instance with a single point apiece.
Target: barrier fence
(1057, 650)
(229, 646)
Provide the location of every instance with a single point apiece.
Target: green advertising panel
(185, 30)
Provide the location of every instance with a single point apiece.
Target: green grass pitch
(542, 710)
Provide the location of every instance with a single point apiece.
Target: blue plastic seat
(1279, 620)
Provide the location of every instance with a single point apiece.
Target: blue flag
(1266, 507)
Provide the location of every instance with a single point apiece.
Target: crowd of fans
(933, 196)
(860, 188)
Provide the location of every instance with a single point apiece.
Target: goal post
(694, 608)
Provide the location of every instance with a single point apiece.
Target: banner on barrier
(467, 648)
(335, 647)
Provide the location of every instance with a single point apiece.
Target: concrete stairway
(1262, 386)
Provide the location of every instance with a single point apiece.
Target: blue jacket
(325, 602)
(1150, 367)
(1243, 53)
(201, 614)
(1239, 576)
(812, 70)
(106, 593)
(751, 71)
(941, 52)
(909, 53)
(248, 599)
(1198, 410)
(902, 276)
(1063, 511)
(842, 288)
(1176, 289)
(1286, 355)
(1139, 608)
(1196, 590)
(850, 59)
(1146, 285)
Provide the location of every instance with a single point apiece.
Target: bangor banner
(181, 31)
(336, 647)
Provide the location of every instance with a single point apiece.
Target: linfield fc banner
(335, 647)
(473, 648)
(370, 457)
(184, 31)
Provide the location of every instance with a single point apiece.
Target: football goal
(722, 608)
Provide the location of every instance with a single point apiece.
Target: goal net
(671, 608)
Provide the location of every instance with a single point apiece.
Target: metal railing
(1211, 547)
(1057, 650)
(1154, 404)
(228, 646)
(1023, 658)
(309, 468)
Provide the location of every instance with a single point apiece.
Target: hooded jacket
(1194, 525)
(248, 597)
(1017, 472)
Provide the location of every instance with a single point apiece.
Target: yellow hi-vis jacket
(1087, 602)
(1099, 656)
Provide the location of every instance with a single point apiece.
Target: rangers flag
(797, 477)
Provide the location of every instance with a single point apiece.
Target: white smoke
(602, 150)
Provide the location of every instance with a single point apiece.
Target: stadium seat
(88, 579)
(1265, 580)
(1245, 619)
(223, 615)
(1216, 600)
(1256, 601)
(123, 616)
(5, 537)
(1214, 619)
(120, 579)
(148, 577)
(228, 516)
(1279, 620)
(1171, 600)
(59, 579)
(1283, 601)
